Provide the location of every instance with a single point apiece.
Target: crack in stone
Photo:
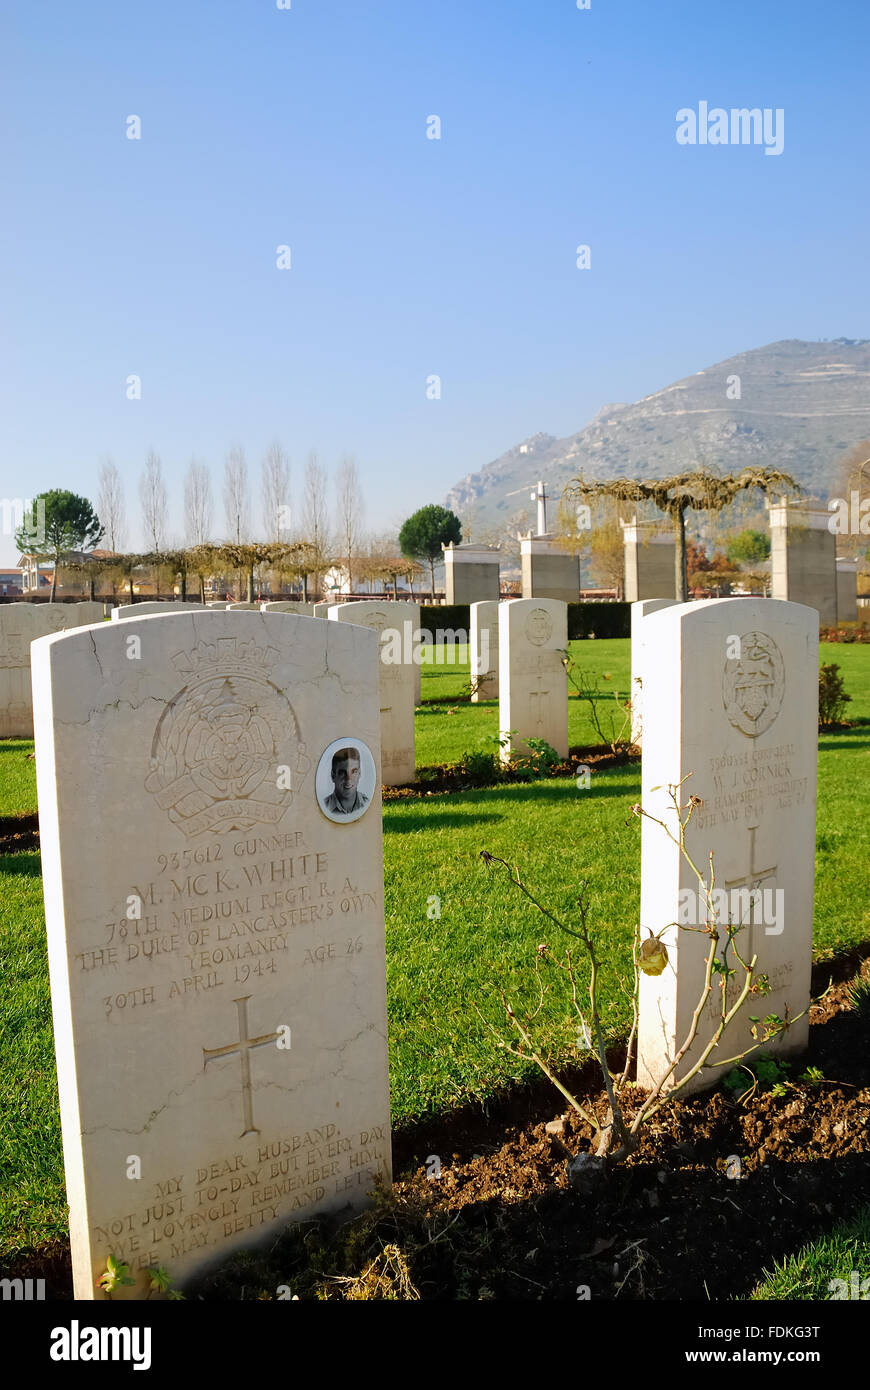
(120, 1129)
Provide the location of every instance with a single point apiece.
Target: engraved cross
(538, 704)
(243, 1047)
(752, 879)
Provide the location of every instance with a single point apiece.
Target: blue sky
(410, 256)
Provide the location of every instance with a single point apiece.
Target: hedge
(453, 615)
(598, 619)
(584, 619)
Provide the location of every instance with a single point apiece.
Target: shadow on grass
(26, 862)
(557, 790)
(436, 819)
(845, 739)
(548, 789)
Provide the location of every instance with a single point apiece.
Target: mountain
(792, 404)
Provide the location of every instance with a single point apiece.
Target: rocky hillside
(794, 404)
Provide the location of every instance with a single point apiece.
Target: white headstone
(532, 681)
(213, 886)
(145, 610)
(303, 610)
(732, 699)
(483, 650)
(398, 624)
(21, 624)
(640, 610)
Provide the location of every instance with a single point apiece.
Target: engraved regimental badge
(226, 753)
(539, 627)
(753, 684)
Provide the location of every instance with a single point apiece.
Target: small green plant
(543, 756)
(766, 1072)
(536, 763)
(114, 1276)
(832, 696)
(478, 768)
(859, 996)
(813, 1076)
(160, 1281)
(769, 1074)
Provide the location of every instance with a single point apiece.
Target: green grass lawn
(443, 737)
(17, 777)
(843, 1254)
(441, 968)
(32, 1200)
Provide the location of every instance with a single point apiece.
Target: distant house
(335, 581)
(35, 574)
(36, 577)
(10, 583)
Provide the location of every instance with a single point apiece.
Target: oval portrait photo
(346, 780)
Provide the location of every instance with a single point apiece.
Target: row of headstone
(218, 977)
(516, 657)
(149, 607)
(20, 625)
(395, 625)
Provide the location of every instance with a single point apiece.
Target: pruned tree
(391, 567)
(292, 560)
(696, 490)
(248, 556)
(91, 568)
(198, 503)
(125, 567)
(175, 564)
(204, 562)
(110, 505)
(152, 495)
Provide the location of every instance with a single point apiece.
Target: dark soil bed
(453, 777)
(503, 1222)
(19, 832)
